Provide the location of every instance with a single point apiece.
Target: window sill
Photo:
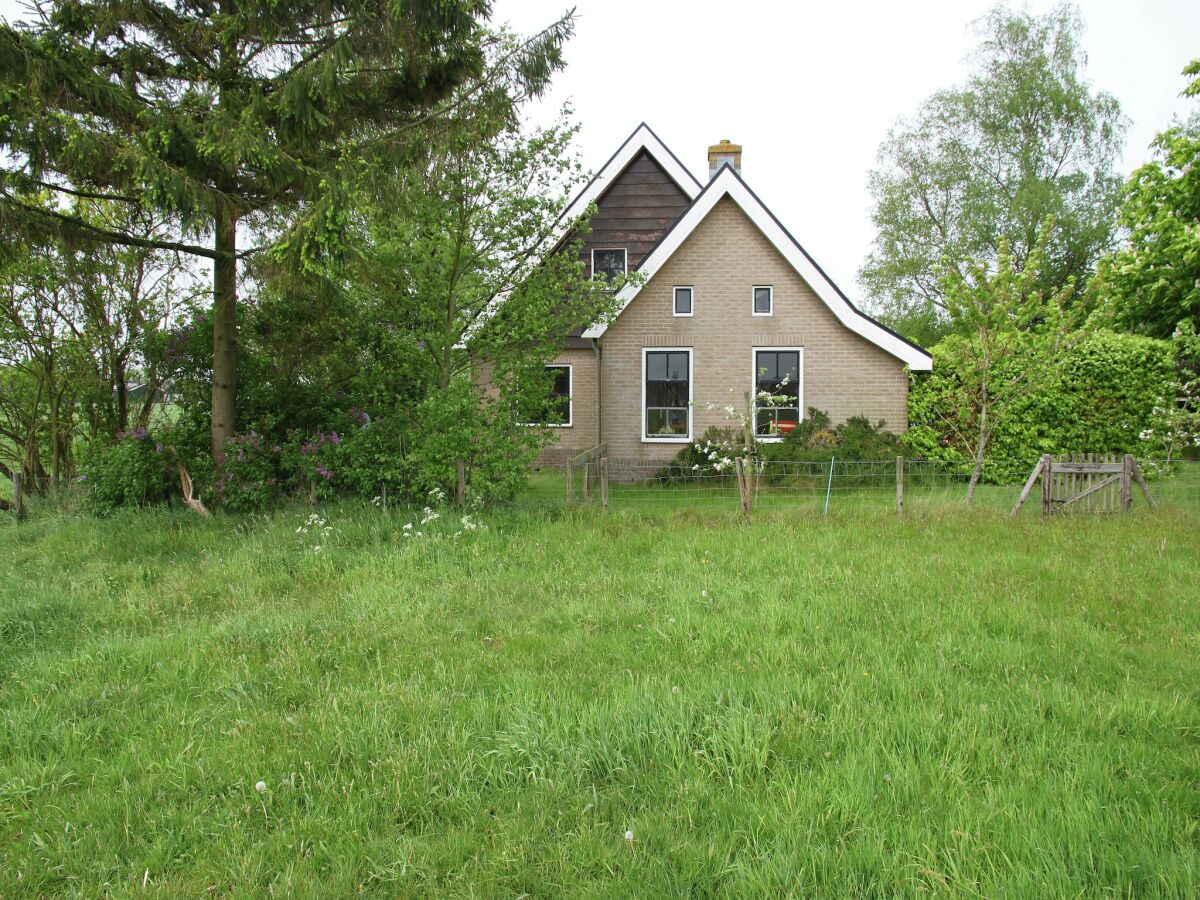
(681, 439)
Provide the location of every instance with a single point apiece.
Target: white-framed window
(762, 300)
(609, 262)
(558, 409)
(778, 371)
(682, 300)
(666, 394)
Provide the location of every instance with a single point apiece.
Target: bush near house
(814, 439)
(1102, 400)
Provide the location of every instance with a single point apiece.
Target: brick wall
(843, 373)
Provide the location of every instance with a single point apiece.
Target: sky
(810, 90)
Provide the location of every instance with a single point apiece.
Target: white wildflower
(261, 786)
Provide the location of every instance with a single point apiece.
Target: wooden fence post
(742, 483)
(18, 496)
(587, 471)
(899, 484)
(1033, 477)
(1127, 482)
(1141, 482)
(1047, 482)
(604, 482)
(570, 482)
(460, 493)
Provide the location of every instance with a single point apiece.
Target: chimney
(724, 154)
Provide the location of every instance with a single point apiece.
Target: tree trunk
(224, 383)
(980, 448)
(122, 391)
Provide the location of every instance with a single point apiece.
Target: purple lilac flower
(334, 439)
(158, 447)
(323, 472)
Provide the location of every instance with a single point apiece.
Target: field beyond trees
(861, 705)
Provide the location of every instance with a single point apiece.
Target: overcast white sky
(810, 89)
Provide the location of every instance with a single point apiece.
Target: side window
(556, 410)
(683, 301)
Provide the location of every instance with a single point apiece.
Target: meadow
(566, 703)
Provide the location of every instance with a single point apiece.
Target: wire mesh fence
(828, 486)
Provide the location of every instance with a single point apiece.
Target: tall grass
(855, 705)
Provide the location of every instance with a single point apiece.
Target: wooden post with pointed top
(899, 484)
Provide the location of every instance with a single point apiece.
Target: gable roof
(728, 183)
(642, 139)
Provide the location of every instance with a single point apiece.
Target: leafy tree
(1154, 282)
(458, 274)
(1011, 331)
(986, 163)
(76, 323)
(220, 112)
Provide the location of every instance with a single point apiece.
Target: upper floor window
(764, 300)
(683, 301)
(609, 263)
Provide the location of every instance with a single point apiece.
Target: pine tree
(222, 113)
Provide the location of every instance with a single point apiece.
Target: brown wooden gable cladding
(635, 211)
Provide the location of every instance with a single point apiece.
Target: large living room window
(777, 371)
(667, 394)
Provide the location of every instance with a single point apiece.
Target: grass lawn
(855, 705)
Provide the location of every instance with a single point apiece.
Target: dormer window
(610, 263)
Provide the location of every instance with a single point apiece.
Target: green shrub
(136, 470)
(252, 474)
(816, 439)
(371, 458)
(1101, 399)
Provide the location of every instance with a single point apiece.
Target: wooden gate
(1097, 482)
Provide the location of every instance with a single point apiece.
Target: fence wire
(836, 485)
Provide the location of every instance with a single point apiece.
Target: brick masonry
(723, 259)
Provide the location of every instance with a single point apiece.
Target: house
(730, 304)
